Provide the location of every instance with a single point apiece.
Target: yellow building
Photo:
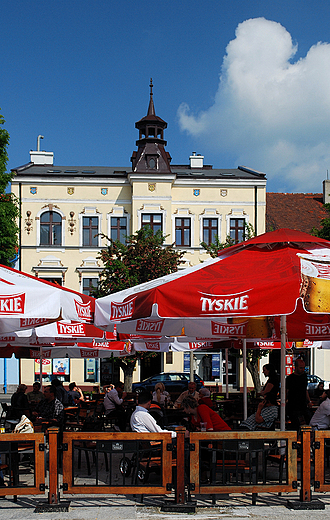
(63, 208)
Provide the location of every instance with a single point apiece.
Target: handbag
(24, 426)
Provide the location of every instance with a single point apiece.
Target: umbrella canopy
(274, 274)
(26, 301)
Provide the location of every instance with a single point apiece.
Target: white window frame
(119, 213)
(49, 246)
(152, 209)
(89, 212)
(235, 214)
(184, 213)
(211, 214)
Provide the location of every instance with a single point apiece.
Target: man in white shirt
(191, 392)
(141, 420)
(113, 405)
(321, 418)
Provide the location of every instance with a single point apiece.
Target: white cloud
(271, 113)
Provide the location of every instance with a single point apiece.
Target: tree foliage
(324, 232)
(216, 246)
(9, 207)
(144, 257)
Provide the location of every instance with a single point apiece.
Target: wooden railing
(151, 464)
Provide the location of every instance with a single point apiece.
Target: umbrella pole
(283, 352)
(40, 369)
(227, 377)
(244, 381)
(191, 377)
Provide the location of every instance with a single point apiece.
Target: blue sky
(241, 82)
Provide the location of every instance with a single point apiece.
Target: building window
(182, 231)
(91, 370)
(210, 230)
(237, 229)
(119, 229)
(153, 220)
(169, 358)
(88, 284)
(90, 231)
(50, 229)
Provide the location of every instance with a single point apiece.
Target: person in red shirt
(205, 397)
(201, 413)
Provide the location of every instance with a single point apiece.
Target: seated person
(264, 417)
(201, 413)
(319, 391)
(113, 404)
(75, 395)
(321, 418)
(19, 403)
(50, 409)
(205, 397)
(160, 395)
(141, 420)
(35, 396)
(191, 392)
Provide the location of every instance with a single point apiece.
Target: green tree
(216, 246)
(324, 232)
(144, 257)
(9, 207)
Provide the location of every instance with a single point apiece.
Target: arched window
(50, 229)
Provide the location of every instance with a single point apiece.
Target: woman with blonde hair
(160, 395)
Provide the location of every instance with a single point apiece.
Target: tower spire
(151, 109)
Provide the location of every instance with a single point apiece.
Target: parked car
(312, 383)
(175, 382)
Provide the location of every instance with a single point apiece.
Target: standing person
(201, 413)
(113, 404)
(273, 382)
(321, 418)
(191, 392)
(297, 396)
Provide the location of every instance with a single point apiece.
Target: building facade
(66, 209)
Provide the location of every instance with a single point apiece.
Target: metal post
(244, 381)
(180, 466)
(53, 474)
(305, 491)
(227, 377)
(283, 352)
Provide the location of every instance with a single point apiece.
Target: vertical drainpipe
(256, 209)
(20, 228)
(4, 375)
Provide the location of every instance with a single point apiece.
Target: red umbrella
(26, 302)
(274, 274)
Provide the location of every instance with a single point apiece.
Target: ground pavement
(119, 507)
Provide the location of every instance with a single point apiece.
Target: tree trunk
(252, 364)
(128, 369)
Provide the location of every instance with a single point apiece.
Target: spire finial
(151, 109)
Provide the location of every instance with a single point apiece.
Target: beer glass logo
(315, 282)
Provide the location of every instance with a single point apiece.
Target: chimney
(42, 157)
(196, 161)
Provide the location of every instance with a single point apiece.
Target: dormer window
(152, 161)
